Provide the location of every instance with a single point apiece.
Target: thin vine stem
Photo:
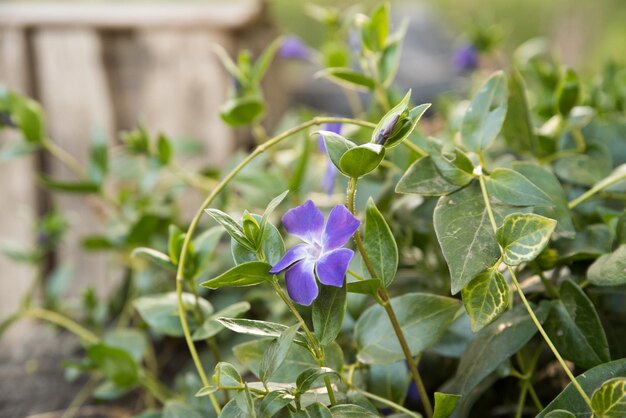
(180, 273)
(383, 297)
(64, 322)
(529, 309)
(601, 185)
(387, 402)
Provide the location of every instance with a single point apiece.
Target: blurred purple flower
(293, 48)
(328, 181)
(465, 58)
(321, 254)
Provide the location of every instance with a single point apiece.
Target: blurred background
(101, 67)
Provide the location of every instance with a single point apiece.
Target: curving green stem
(529, 309)
(64, 322)
(601, 185)
(180, 273)
(383, 299)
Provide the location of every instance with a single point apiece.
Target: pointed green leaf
(336, 146)
(465, 235)
(86, 186)
(423, 178)
(445, 404)
(351, 411)
(380, 244)
(317, 410)
(273, 402)
(560, 413)
(523, 236)
(164, 150)
(212, 326)
(348, 77)
(327, 313)
(160, 312)
(246, 274)
(485, 114)
(258, 328)
(575, 328)
(568, 92)
(610, 400)
(29, 117)
(609, 269)
(277, 352)
(265, 59)
(360, 160)
(518, 130)
(366, 287)
(485, 298)
(452, 164)
(232, 227)
(226, 376)
(157, 257)
(176, 409)
(307, 378)
(514, 189)
(423, 317)
(271, 246)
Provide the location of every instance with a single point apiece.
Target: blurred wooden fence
(106, 67)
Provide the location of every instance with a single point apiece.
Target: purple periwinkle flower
(321, 254)
(465, 58)
(293, 48)
(328, 181)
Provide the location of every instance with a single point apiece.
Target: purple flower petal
(340, 227)
(328, 182)
(334, 127)
(296, 253)
(305, 221)
(331, 268)
(293, 48)
(465, 58)
(301, 284)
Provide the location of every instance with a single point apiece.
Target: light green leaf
(347, 77)
(423, 317)
(514, 189)
(328, 312)
(610, 400)
(609, 269)
(485, 298)
(226, 376)
(351, 411)
(212, 326)
(276, 353)
(164, 150)
(423, 178)
(115, 364)
(160, 312)
(242, 110)
(560, 413)
(246, 274)
(465, 235)
(445, 404)
(360, 160)
(131, 340)
(485, 115)
(575, 328)
(380, 244)
(265, 59)
(451, 163)
(232, 227)
(336, 146)
(154, 256)
(258, 328)
(29, 117)
(366, 287)
(176, 409)
(523, 236)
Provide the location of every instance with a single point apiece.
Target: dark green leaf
(523, 236)
(423, 178)
(424, 319)
(485, 298)
(609, 269)
(276, 353)
(246, 274)
(575, 328)
(445, 404)
(485, 114)
(569, 399)
(307, 378)
(560, 413)
(360, 160)
(568, 92)
(98, 158)
(69, 186)
(273, 402)
(380, 244)
(518, 130)
(366, 287)
(317, 410)
(390, 381)
(327, 313)
(351, 411)
(585, 169)
(465, 235)
(514, 189)
(115, 364)
(174, 243)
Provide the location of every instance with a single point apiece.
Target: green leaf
(69, 186)
(276, 353)
(378, 27)
(29, 117)
(389, 381)
(327, 313)
(336, 146)
(258, 328)
(560, 413)
(307, 378)
(175, 243)
(232, 227)
(164, 150)
(176, 409)
(212, 326)
(206, 390)
(317, 410)
(360, 160)
(380, 244)
(366, 287)
(550, 185)
(609, 269)
(273, 402)
(389, 62)
(585, 169)
(454, 166)
(610, 400)
(242, 110)
(494, 344)
(160, 312)
(423, 178)
(351, 411)
(115, 364)
(465, 235)
(154, 256)
(130, 340)
(246, 274)
(265, 59)
(272, 246)
(347, 77)
(485, 115)
(226, 376)
(568, 92)
(514, 189)
(486, 297)
(523, 236)
(575, 328)
(518, 130)
(271, 207)
(98, 158)
(569, 399)
(423, 317)
(445, 404)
